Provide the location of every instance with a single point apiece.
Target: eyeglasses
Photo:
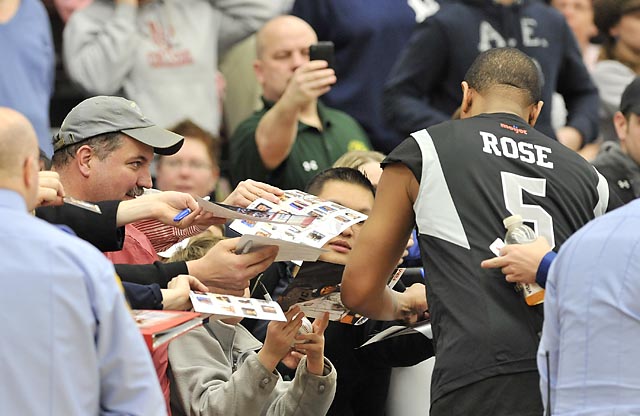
(192, 164)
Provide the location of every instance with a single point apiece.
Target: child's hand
(313, 345)
(292, 359)
(280, 336)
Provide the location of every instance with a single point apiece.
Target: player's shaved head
(506, 71)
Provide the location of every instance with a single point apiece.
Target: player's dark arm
(378, 248)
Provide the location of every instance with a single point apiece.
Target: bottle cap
(512, 220)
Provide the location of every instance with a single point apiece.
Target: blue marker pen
(186, 211)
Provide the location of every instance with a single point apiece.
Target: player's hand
(413, 303)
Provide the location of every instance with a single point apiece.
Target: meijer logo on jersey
(513, 128)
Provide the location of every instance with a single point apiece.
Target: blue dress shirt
(592, 319)
(70, 346)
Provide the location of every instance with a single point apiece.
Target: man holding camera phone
(294, 136)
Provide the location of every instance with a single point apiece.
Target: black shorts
(504, 395)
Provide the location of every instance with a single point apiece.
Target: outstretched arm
(224, 268)
(176, 296)
(378, 249)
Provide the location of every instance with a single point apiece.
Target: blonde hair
(356, 158)
(197, 247)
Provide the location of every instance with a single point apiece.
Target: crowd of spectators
(141, 106)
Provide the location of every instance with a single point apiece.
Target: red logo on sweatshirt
(168, 53)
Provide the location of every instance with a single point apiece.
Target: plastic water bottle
(520, 233)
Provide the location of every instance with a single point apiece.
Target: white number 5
(512, 188)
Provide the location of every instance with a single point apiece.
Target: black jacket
(423, 88)
(141, 283)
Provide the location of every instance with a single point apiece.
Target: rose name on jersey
(516, 149)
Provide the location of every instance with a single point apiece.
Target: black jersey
(473, 173)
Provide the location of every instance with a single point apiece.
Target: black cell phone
(322, 50)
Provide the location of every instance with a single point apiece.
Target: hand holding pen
(198, 217)
(158, 205)
(186, 211)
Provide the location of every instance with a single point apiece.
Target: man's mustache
(135, 192)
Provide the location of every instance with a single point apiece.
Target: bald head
(18, 140)
(19, 155)
(282, 46)
(280, 29)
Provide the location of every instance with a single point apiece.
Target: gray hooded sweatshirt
(162, 54)
(622, 172)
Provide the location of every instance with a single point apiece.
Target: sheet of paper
(316, 290)
(330, 219)
(288, 251)
(496, 246)
(257, 213)
(220, 306)
(423, 327)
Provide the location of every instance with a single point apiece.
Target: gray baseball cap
(103, 114)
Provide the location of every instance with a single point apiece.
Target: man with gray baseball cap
(104, 114)
(619, 161)
(104, 149)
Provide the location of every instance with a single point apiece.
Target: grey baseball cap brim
(163, 141)
(104, 114)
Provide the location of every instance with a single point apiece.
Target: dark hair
(188, 128)
(102, 145)
(607, 14)
(506, 68)
(348, 175)
(45, 162)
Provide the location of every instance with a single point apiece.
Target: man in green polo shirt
(294, 136)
